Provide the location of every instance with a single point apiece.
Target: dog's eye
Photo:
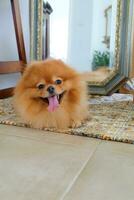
(41, 86)
(58, 81)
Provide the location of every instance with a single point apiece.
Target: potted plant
(100, 59)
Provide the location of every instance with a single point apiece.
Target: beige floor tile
(82, 142)
(109, 174)
(39, 166)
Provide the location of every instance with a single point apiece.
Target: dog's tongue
(53, 103)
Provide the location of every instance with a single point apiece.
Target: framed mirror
(94, 36)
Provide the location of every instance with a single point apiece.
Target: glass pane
(83, 33)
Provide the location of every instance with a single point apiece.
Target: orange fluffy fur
(27, 98)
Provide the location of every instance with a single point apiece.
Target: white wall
(8, 46)
(80, 29)
(24, 6)
(70, 32)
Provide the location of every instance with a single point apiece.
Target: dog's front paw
(76, 124)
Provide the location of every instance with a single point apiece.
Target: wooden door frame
(14, 66)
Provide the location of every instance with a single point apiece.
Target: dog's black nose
(51, 89)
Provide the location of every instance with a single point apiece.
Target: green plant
(100, 59)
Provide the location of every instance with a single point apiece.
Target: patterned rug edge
(70, 132)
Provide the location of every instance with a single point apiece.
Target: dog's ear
(28, 67)
(25, 66)
(24, 69)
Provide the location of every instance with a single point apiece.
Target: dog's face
(51, 92)
(49, 82)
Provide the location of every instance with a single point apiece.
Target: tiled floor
(36, 165)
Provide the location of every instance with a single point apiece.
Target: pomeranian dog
(50, 94)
